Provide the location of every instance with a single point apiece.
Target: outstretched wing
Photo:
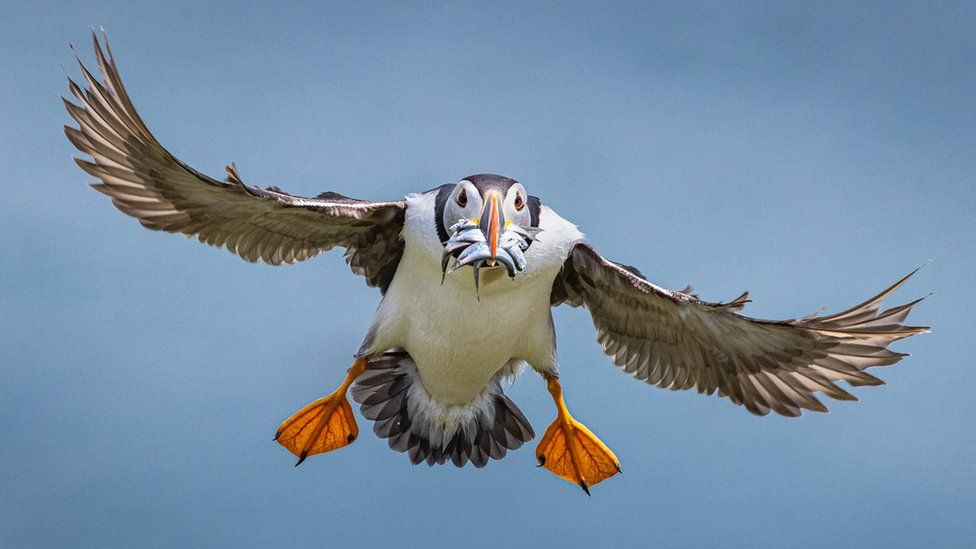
(676, 341)
(145, 181)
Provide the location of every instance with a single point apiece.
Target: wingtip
(924, 264)
(95, 31)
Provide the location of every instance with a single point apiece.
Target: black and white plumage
(439, 345)
(392, 395)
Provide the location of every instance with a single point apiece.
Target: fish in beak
(487, 241)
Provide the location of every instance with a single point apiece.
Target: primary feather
(146, 182)
(676, 341)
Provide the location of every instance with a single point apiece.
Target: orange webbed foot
(572, 451)
(324, 425)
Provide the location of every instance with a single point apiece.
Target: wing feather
(676, 341)
(146, 182)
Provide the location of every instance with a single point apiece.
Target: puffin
(469, 273)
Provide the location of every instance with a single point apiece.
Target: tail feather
(390, 394)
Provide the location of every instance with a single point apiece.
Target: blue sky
(811, 153)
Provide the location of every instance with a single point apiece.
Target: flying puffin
(469, 273)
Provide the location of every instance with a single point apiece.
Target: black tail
(390, 393)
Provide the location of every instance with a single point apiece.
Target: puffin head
(488, 221)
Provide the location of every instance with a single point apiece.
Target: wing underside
(676, 341)
(146, 182)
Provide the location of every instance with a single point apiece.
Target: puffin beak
(492, 224)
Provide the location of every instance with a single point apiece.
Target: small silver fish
(478, 251)
(503, 257)
(517, 257)
(462, 225)
(468, 247)
(530, 233)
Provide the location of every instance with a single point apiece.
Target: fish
(467, 246)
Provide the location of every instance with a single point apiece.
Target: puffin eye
(519, 203)
(462, 199)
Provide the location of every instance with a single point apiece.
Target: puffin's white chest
(457, 341)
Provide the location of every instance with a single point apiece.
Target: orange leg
(324, 425)
(570, 450)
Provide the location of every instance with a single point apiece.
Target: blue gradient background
(809, 153)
